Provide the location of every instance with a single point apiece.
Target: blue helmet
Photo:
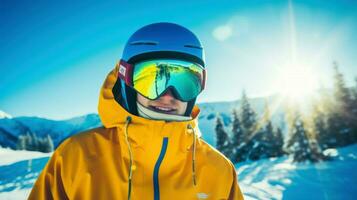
(155, 41)
(163, 40)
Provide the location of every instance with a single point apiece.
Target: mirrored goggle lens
(152, 78)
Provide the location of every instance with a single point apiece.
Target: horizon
(276, 95)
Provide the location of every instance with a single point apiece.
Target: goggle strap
(204, 79)
(125, 72)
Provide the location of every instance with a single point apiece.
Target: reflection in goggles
(152, 78)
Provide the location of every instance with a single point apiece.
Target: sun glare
(297, 83)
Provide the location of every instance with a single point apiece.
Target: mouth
(160, 109)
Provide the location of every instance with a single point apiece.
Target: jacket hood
(112, 114)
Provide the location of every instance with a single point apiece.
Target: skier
(149, 146)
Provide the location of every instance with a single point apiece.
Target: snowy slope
(279, 178)
(18, 172)
(9, 156)
(275, 178)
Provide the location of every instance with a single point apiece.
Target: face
(167, 103)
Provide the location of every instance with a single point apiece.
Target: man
(150, 145)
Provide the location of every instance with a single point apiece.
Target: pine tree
(49, 147)
(31, 142)
(271, 140)
(263, 141)
(35, 142)
(299, 143)
(323, 136)
(341, 120)
(249, 126)
(238, 140)
(278, 143)
(354, 111)
(248, 115)
(21, 143)
(222, 139)
(341, 92)
(354, 93)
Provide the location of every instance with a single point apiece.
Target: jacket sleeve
(50, 184)
(235, 193)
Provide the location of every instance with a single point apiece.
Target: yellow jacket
(169, 160)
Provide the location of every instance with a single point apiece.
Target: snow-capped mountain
(4, 115)
(11, 129)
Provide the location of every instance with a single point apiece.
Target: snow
(18, 172)
(331, 152)
(9, 156)
(4, 115)
(15, 194)
(273, 178)
(280, 178)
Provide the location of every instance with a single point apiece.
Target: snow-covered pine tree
(341, 120)
(263, 140)
(247, 114)
(354, 94)
(249, 125)
(21, 143)
(324, 138)
(46, 144)
(35, 142)
(354, 110)
(222, 139)
(278, 143)
(238, 140)
(31, 142)
(299, 143)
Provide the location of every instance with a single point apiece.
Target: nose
(167, 96)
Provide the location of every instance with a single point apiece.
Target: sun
(297, 82)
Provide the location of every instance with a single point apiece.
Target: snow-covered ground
(18, 172)
(9, 156)
(280, 178)
(275, 178)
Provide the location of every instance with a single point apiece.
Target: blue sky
(54, 56)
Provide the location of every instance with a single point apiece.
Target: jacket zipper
(156, 169)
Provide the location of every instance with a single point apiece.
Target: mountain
(11, 129)
(4, 115)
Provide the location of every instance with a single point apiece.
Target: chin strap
(150, 114)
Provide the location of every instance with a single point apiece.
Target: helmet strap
(125, 96)
(190, 106)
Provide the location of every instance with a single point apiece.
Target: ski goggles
(152, 78)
